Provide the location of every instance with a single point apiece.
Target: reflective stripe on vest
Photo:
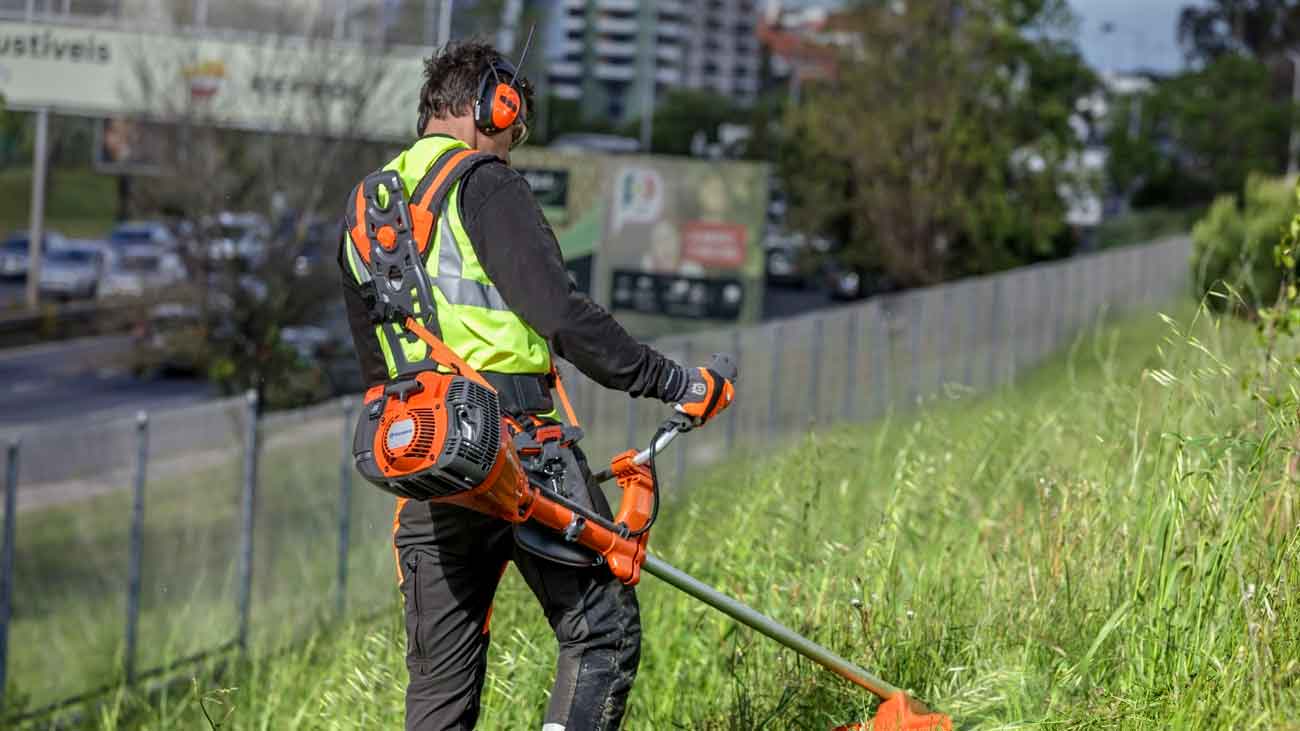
(457, 289)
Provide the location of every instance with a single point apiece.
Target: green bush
(1232, 251)
(1142, 226)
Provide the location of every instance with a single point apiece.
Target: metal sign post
(36, 225)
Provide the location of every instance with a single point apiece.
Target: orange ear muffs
(505, 106)
(499, 102)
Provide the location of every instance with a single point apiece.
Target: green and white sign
(291, 85)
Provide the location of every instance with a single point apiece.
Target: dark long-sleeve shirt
(519, 252)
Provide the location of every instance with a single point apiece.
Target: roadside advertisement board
(657, 239)
(289, 85)
(682, 238)
(570, 189)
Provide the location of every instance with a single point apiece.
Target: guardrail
(55, 322)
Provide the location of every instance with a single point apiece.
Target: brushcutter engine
(439, 437)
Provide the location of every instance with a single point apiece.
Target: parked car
(318, 247)
(140, 269)
(792, 257)
(171, 339)
(14, 252)
(845, 282)
(71, 272)
(129, 235)
(231, 236)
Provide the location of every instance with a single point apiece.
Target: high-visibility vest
(471, 317)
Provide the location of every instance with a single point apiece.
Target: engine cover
(439, 437)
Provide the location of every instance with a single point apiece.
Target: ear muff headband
(499, 102)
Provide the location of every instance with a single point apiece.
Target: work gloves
(705, 394)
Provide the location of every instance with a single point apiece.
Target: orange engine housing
(440, 437)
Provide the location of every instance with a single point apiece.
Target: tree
(1199, 133)
(681, 114)
(1261, 28)
(940, 148)
(315, 102)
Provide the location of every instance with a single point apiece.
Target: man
(505, 303)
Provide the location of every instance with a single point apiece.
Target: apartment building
(605, 52)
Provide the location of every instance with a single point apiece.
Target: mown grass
(1110, 544)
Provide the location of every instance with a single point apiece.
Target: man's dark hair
(451, 81)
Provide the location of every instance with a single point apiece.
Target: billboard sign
(290, 85)
(683, 238)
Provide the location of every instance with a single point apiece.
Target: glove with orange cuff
(705, 395)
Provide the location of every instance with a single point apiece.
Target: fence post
(345, 507)
(815, 381)
(883, 376)
(137, 542)
(1062, 294)
(688, 356)
(631, 422)
(1143, 287)
(7, 562)
(734, 415)
(774, 393)
(247, 504)
(945, 322)
(972, 321)
(914, 325)
(851, 362)
(995, 330)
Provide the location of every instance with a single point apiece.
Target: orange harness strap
(564, 398)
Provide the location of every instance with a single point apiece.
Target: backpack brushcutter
(442, 436)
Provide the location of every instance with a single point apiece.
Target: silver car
(71, 272)
(139, 269)
(14, 252)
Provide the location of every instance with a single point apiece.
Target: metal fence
(131, 545)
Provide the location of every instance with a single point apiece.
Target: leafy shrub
(1141, 226)
(1233, 245)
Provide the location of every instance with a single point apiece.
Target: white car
(72, 271)
(141, 233)
(235, 236)
(13, 252)
(139, 269)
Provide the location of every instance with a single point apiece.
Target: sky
(1144, 35)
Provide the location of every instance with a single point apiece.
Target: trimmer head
(903, 713)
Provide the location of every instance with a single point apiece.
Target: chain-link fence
(133, 545)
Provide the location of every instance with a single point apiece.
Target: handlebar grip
(724, 365)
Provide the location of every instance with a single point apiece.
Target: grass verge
(1111, 544)
(79, 202)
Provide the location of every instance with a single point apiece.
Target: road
(69, 378)
(80, 377)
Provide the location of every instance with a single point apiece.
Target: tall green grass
(1111, 544)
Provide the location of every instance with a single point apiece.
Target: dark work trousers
(451, 560)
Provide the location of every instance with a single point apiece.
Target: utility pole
(444, 22)
(36, 225)
(509, 25)
(341, 20)
(648, 51)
